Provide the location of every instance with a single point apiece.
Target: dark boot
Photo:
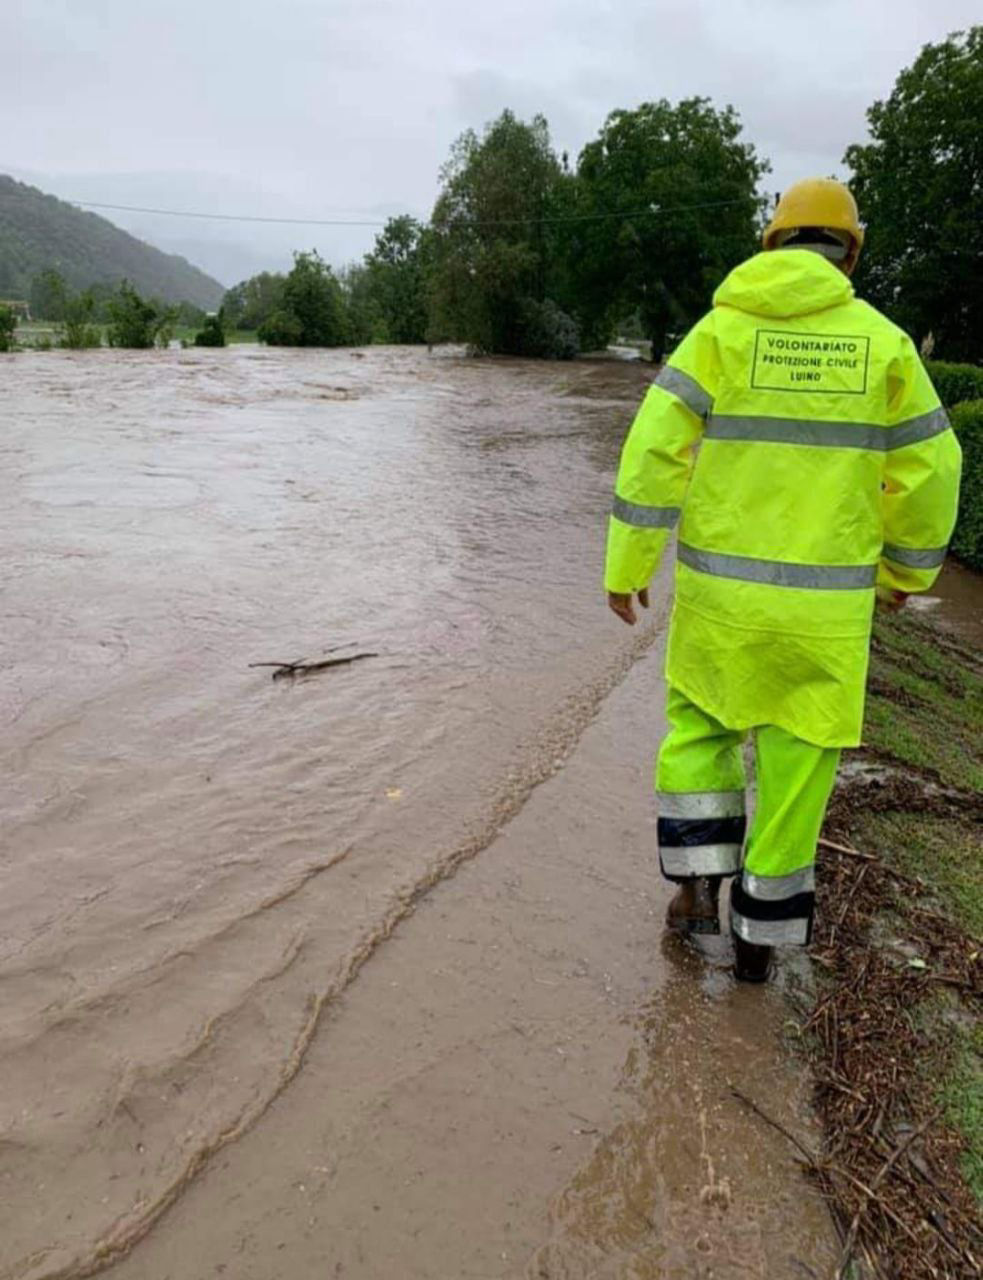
(752, 962)
(695, 909)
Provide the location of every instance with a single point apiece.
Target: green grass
(932, 718)
(944, 852)
(925, 710)
(962, 1100)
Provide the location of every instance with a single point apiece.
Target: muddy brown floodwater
(361, 973)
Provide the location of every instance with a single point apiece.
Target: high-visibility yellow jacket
(826, 468)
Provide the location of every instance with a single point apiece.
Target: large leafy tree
(396, 272)
(667, 203)
(919, 183)
(312, 310)
(493, 240)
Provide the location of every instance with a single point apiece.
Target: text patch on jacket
(832, 362)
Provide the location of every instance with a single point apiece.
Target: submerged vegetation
(212, 332)
(137, 323)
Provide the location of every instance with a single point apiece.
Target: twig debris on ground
(889, 1163)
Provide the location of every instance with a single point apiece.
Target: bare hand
(622, 604)
(892, 601)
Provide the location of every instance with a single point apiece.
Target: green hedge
(956, 382)
(967, 541)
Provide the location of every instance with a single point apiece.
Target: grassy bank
(893, 1032)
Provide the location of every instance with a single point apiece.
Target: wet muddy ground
(360, 973)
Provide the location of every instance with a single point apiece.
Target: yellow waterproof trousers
(700, 784)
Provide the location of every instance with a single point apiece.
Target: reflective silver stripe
(838, 435)
(831, 435)
(779, 573)
(771, 933)
(700, 804)
(685, 388)
(917, 429)
(645, 517)
(930, 558)
(701, 860)
(774, 888)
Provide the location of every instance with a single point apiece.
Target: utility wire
(651, 212)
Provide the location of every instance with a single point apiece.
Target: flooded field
(216, 885)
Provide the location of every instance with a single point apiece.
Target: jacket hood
(784, 283)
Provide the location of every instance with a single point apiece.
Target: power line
(652, 212)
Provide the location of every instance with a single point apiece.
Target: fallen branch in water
(308, 668)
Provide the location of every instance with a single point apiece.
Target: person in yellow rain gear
(827, 476)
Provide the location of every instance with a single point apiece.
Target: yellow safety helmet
(817, 202)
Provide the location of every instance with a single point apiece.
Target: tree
(919, 184)
(312, 311)
(396, 282)
(48, 295)
(689, 184)
(493, 240)
(8, 323)
(78, 333)
(251, 303)
(136, 322)
(365, 320)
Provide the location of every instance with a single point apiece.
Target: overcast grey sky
(329, 108)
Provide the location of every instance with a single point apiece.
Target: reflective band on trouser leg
(700, 794)
(701, 846)
(772, 902)
(773, 910)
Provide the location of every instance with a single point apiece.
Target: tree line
(82, 317)
(528, 254)
(525, 255)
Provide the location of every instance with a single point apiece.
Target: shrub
(281, 329)
(212, 332)
(137, 323)
(956, 382)
(967, 541)
(312, 311)
(8, 323)
(78, 333)
(546, 331)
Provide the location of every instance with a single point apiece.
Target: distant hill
(39, 231)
